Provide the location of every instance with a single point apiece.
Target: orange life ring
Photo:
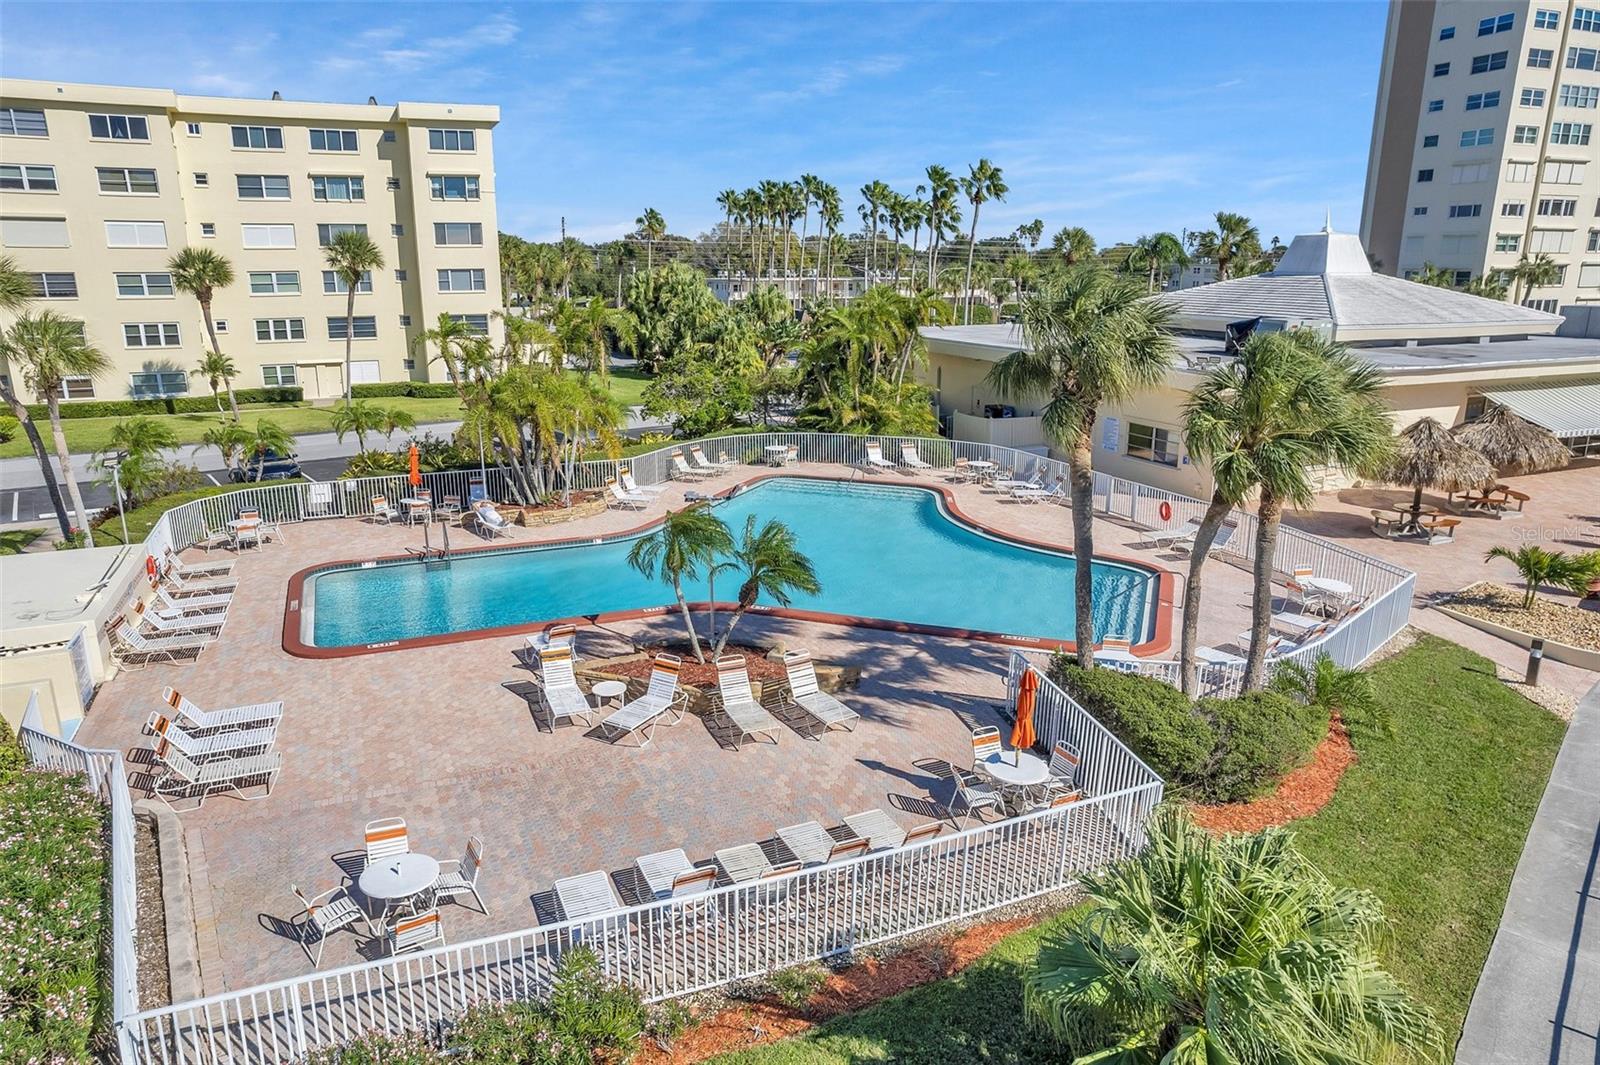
(1166, 510)
(150, 566)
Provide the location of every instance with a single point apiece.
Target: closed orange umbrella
(1022, 736)
(416, 467)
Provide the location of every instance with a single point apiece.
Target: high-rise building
(1486, 143)
(100, 186)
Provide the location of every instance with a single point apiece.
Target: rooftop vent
(372, 101)
(276, 95)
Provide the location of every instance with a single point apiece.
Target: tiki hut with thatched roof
(1426, 455)
(1512, 444)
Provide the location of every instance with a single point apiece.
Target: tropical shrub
(392, 389)
(1260, 736)
(127, 408)
(1538, 568)
(795, 985)
(1208, 949)
(9, 427)
(374, 464)
(11, 756)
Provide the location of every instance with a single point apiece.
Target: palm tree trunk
(216, 396)
(1204, 537)
(733, 619)
(688, 621)
(64, 457)
(19, 410)
(1268, 515)
(805, 222)
(972, 248)
(1080, 472)
(349, 338)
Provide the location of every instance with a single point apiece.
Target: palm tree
(450, 336)
(1154, 254)
(15, 291)
(352, 255)
(1435, 276)
(1222, 949)
(269, 436)
(1018, 271)
(1489, 286)
(1538, 567)
(651, 227)
(1073, 244)
(46, 349)
(230, 439)
(1537, 272)
(200, 272)
(360, 418)
(830, 216)
(772, 565)
(1235, 238)
(219, 372)
(392, 420)
(687, 542)
(944, 213)
(583, 331)
(1328, 686)
(1090, 337)
(983, 182)
(137, 443)
(810, 187)
(876, 194)
(728, 200)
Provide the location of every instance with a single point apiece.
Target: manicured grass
(627, 386)
(92, 434)
(14, 540)
(1431, 819)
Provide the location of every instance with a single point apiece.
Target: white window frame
(266, 144)
(42, 284)
(1571, 133)
(275, 278)
(127, 124)
(178, 379)
(143, 233)
(442, 231)
(273, 230)
(336, 324)
(144, 282)
(333, 284)
(1158, 457)
(469, 137)
(1565, 172)
(10, 128)
(280, 330)
(167, 335)
(192, 128)
(326, 231)
(278, 192)
(475, 280)
(76, 387)
(471, 187)
(351, 136)
(355, 188)
(1508, 243)
(470, 321)
(273, 375)
(126, 173)
(1583, 97)
(27, 174)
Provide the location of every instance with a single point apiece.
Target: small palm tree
(1537, 272)
(1073, 244)
(394, 419)
(46, 349)
(772, 565)
(687, 543)
(351, 254)
(1538, 568)
(219, 372)
(137, 443)
(1231, 949)
(651, 228)
(269, 436)
(200, 272)
(360, 418)
(231, 439)
(1327, 685)
(16, 289)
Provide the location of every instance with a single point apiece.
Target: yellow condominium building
(100, 186)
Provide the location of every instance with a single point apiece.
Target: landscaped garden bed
(1547, 619)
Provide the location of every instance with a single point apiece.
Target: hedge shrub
(1155, 719)
(203, 404)
(1260, 736)
(415, 389)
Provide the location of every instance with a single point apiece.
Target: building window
(1466, 210)
(144, 285)
(452, 140)
(393, 184)
(1551, 241)
(333, 284)
(1583, 58)
(22, 122)
(1446, 33)
(400, 276)
(263, 186)
(341, 189)
(1483, 64)
(1483, 101)
(1496, 24)
(1441, 69)
(272, 330)
(258, 137)
(1532, 98)
(208, 229)
(1513, 209)
(76, 388)
(1541, 58)
(1431, 141)
(388, 136)
(1525, 135)
(334, 140)
(1435, 105)
(1152, 444)
(1556, 173)
(1570, 132)
(1456, 243)
(1470, 173)
(1508, 242)
(202, 180)
(405, 321)
(1556, 208)
(268, 234)
(1586, 18)
(326, 231)
(446, 234)
(221, 324)
(136, 234)
(366, 328)
(461, 281)
(193, 128)
(1594, 241)
(1517, 173)
(119, 127)
(1546, 20)
(49, 286)
(454, 186)
(279, 376)
(1460, 278)
(1547, 306)
(1419, 211)
(150, 334)
(1579, 96)
(1476, 138)
(127, 182)
(396, 229)
(274, 282)
(158, 383)
(477, 324)
(18, 177)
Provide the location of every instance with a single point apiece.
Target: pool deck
(444, 737)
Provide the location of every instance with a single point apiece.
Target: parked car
(272, 467)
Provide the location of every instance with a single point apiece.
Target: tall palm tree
(1222, 949)
(769, 194)
(1537, 272)
(772, 565)
(219, 372)
(449, 335)
(200, 272)
(1073, 244)
(1018, 271)
(687, 543)
(875, 194)
(830, 216)
(983, 182)
(1154, 253)
(944, 213)
(1235, 238)
(728, 200)
(651, 228)
(351, 254)
(16, 289)
(810, 193)
(1091, 337)
(46, 349)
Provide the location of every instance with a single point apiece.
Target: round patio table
(1412, 523)
(608, 692)
(1015, 769)
(396, 879)
(775, 453)
(1331, 585)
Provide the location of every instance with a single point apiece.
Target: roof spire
(1327, 225)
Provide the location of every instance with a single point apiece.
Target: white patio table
(396, 880)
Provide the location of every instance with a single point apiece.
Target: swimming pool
(891, 556)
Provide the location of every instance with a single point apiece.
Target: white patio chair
(1052, 494)
(1173, 534)
(460, 877)
(681, 468)
(1064, 764)
(329, 912)
(630, 485)
(247, 536)
(662, 699)
(828, 712)
(972, 793)
(417, 932)
(166, 625)
(910, 458)
(229, 719)
(960, 471)
(382, 511)
(189, 603)
(449, 506)
(875, 457)
(210, 538)
(625, 500)
(1222, 541)
(565, 634)
(985, 743)
(702, 463)
(562, 695)
(133, 649)
(200, 570)
(214, 745)
(738, 703)
(385, 838)
(186, 587)
(418, 512)
(182, 777)
(489, 520)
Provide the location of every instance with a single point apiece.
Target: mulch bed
(1301, 793)
(762, 669)
(869, 981)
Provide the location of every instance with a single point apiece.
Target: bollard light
(1535, 658)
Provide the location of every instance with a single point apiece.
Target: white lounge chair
(828, 712)
(562, 695)
(151, 609)
(185, 587)
(875, 457)
(698, 456)
(670, 874)
(382, 511)
(181, 777)
(1011, 484)
(135, 648)
(911, 459)
(681, 468)
(738, 703)
(201, 570)
(662, 699)
(814, 845)
(166, 624)
(1223, 538)
(1039, 495)
(880, 830)
(1290, 623)
(564, 635)
(214, 745)
(190, 603)
(325, 914)
(490, 520)
(1172, 534)
(626, 500)
(630, 485)
(460, 877)
(254, 715)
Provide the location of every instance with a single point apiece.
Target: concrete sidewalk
(1538, 999)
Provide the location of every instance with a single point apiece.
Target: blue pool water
(881, 552)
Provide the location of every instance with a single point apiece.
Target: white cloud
(496, 29)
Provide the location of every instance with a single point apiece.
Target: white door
(364, 372)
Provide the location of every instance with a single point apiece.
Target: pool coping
(1159, 642)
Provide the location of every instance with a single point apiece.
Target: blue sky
(1124, 118)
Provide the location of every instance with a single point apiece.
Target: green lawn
(1431, 818)
(13, 541)
(92, 434)
(627, 386)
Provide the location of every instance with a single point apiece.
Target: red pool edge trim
(1159, 642)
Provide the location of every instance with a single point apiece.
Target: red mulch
(1301, 793)
(859, 986)
(762, 669)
